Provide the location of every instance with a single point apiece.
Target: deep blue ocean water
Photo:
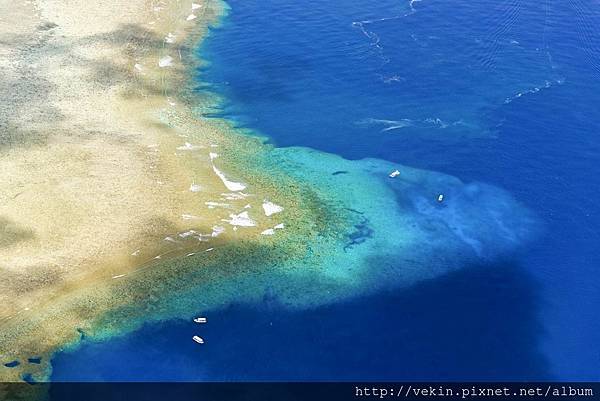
(503, 92)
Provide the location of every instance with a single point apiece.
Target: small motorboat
(198, 339)
(394, 174)
(440, 198)
(200, 320)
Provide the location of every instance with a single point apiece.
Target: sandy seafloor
(121, 205)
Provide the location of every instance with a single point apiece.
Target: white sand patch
(203, 237)
(137, 252)
(170, 38)
(241, 220)
(212, 205)
(195, 188)
(119, 276)
(271, 231)
(187, 233)
(247, 206)
(196, 6)
(190, 17)
(165, 61)
(138, 67)
(230, 185)
(189, 217)
(270, 208)
(234, 195)
(217, 230)
(189, 146)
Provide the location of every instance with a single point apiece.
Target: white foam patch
(279, 226)
(196, 6)
(191, 17)
(242, 220)
(165, 61)
(270, 208)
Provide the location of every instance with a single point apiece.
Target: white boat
(394, 174)
(200, 320)
(198, 339)
(440, 198)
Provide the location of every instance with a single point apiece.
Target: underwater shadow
(11, 233)
(477, 323)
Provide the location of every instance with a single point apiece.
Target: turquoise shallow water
(496, 93)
